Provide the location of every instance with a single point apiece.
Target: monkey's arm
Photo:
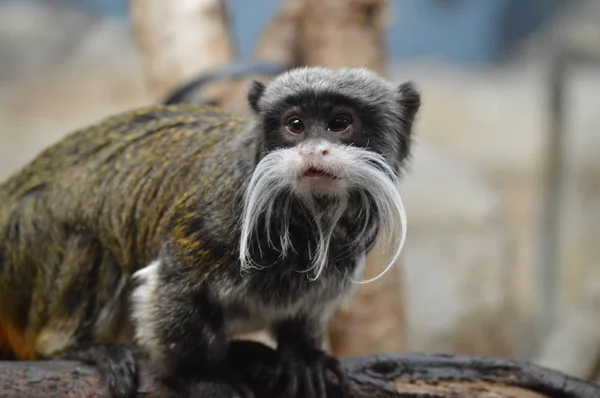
(180, 325)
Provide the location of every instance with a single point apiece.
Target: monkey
(179, 226)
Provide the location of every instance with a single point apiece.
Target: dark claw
(275, 379)
(115, 363)
(303, 375)
(309, 390)
(334, 365)
(286, 372)
(318, 375)
(293, 371)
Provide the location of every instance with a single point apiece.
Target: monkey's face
(318, 123)
(333, 135)
(312, 137)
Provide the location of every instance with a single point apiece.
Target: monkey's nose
(323, 151)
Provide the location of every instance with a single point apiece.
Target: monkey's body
(183, 225)
(72, 236)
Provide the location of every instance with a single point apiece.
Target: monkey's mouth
(316, 172)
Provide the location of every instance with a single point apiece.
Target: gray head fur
(370, 161)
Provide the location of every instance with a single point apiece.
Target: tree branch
(412, 376)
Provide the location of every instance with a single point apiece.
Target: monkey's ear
(256, 91)
(409, 100)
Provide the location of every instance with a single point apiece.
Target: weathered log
(387, 375)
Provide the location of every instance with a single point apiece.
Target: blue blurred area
(114, 8)
(464, 32)
(467, 32)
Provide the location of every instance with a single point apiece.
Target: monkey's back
(108, 192)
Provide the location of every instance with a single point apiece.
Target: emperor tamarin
(192, 225)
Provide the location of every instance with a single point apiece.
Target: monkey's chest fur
(262, 300)
(281, 288)
(271, 294)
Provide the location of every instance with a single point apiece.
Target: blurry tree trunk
(574, 346)
(344, 33)
(180, 39)
(281, 39)
(279, 44)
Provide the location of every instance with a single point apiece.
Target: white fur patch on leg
(143, 309)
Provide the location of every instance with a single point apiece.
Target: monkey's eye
(339, 124)
(294, 125)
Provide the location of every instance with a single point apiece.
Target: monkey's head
(338, 137)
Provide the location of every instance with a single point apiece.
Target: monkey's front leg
(181, 327)
(301, 363)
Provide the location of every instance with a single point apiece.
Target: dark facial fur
(157, 204)
(351, 124)
(385, 113)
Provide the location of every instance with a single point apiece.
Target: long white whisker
(263, 186)
(379, 177)
(379, 207)
(323, 250)
(286, 242)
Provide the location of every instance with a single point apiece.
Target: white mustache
(359, 168)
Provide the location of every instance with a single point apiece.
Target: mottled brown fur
(155, 216)
(77, 206)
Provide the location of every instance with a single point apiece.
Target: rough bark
(180, 39)
(409, 376)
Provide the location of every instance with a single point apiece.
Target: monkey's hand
(284, 373)
(301, 373)
(300, 367)
(116, 364)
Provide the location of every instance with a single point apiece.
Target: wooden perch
(412, 376)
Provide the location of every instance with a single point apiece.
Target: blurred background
(503, 192)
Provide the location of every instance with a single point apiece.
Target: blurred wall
(465, 32)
